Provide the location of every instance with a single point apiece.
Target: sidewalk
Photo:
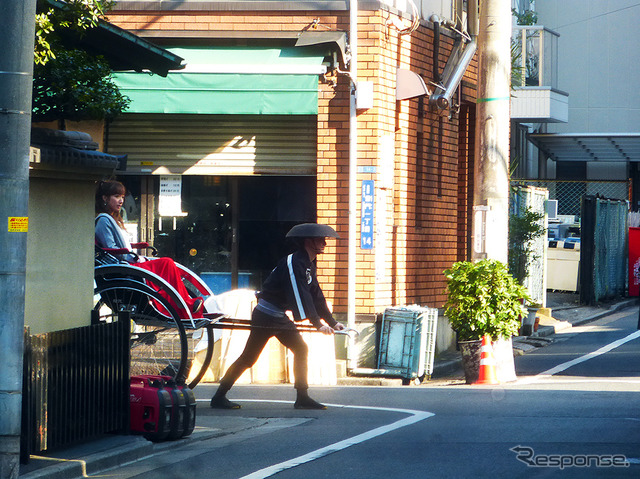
(565, 307)
(566, 312)
(110, 451)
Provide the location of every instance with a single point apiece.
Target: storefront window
(258, 209)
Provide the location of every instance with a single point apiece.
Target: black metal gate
(603, 249)
(75, 386)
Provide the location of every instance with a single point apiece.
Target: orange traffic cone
(487, 373)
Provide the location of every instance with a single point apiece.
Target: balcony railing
(534, 56)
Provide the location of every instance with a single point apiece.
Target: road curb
(614, 309)
(136, 448)
(133, 448)
(549, 330)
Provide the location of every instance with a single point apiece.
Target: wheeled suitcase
(150, 407)
(184, 407)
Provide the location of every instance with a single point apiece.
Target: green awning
(236, 81)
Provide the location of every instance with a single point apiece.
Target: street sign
(366, 215)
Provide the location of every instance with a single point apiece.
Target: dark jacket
(302, 295)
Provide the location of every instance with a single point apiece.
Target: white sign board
(170, 199)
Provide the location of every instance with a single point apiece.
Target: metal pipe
(473, 23)
(458, 61)
(541, 59)
(436, 49)
(459, 9)
(17, 22)
(452, 76)
(353, 166)
(523, 58)
(247, 325)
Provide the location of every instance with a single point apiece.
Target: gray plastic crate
(408, 342)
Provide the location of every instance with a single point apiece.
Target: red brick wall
(426, 205)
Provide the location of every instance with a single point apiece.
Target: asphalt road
(574, 412)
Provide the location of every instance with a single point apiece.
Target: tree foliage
(70, 84)
(51, 17)
(527, 17)
(75, 86)
(483, 298)
(524, 228)
(521, 71)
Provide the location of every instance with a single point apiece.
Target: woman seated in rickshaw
(111, 234)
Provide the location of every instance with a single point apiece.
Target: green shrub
(483, 298)
(524, 229)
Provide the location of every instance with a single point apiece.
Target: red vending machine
(634, 261)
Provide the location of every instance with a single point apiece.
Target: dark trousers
(265, 327)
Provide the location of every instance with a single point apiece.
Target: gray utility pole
(17, 24)
(491, 172)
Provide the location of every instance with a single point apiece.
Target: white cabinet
(563, 265)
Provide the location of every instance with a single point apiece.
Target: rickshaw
(162, 340)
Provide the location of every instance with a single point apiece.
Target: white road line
(414, 417)
(588, 380)
(564, 366)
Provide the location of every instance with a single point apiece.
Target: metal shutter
(215, 144)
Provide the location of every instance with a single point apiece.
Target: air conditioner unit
(552, 209)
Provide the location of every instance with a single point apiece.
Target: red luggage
(150, 408)
(183, 420)
(190, 416)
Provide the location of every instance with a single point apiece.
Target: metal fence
(569, 193)
(601, 209)
(534, 199)
(75, 386)
(603, 253)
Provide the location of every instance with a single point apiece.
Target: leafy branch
(70, 84)
(75, 86)
(524, 229)
(55, 15)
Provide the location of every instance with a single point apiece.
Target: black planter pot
(470, 359)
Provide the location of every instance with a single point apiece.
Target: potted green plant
(483, 299)
(529, 322)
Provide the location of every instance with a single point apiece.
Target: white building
(597, 146)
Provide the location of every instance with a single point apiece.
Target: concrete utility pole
(17, 24)
(353, 183)
(491, 172)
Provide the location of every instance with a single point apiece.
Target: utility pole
(353, 183)
(17, 24)
(491, 171)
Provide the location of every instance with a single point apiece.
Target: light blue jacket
(110, 235)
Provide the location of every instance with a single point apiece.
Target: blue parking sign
(366, 215)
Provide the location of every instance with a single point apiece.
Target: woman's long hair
(109, 188)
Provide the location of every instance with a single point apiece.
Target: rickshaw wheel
(158, 341)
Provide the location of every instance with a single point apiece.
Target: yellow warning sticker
(18, 224)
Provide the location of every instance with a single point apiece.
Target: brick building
(250, 165)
